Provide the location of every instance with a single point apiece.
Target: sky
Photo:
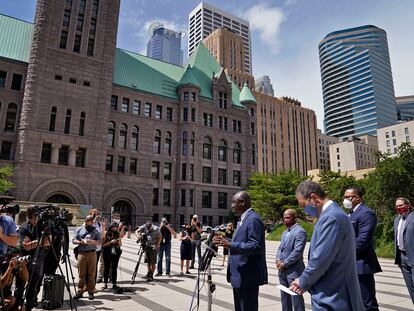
(285, 35)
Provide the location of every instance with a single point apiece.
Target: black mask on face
(88, 227)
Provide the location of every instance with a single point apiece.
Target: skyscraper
(263, 85)
(405, 107)
(358, 91)
(205, 18)
(164, 44)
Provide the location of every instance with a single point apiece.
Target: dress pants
(289, 302)
(408, 273)
(246, 299)
(367, 286)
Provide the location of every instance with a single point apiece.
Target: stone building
(88, 123)
(324, 142)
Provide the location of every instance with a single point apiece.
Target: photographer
(153, 236)
(165, 247)
(11, 267)
(86, 237)
(29, 236)
(111, 248)
(195, 240)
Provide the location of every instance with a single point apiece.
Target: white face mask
(347, 204)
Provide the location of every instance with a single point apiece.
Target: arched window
(82, 123)
(222, 151)
(156, 148)
(167, 145)
(237, 153)
(11, 116)
(135, 138)
(207, 148)
(67, 121)
(185, 144)
(111, 134)
(123, 130)
(52, 122)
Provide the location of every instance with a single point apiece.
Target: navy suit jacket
(247, 261)
(290, 251)
(364, 222)
(408, 239)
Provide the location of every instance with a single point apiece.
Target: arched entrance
(60, 198)
(124, 209)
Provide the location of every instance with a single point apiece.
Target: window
(77, 44)
(155, 170)
(222, 151)
(111, 134)
(82, 123)
(63, 39)
(222, 100)
(91, 44)
(395, 150)
(92, 28)
(133, 166)
(253, 154)
(252, 129)
(63, 155)
(191, 172)
(6, 150)
(52, 121)
(222, 200)
(80, 157)
(184, 171)
(82, 5)
(387, 135)
(393, 133)
(148, 110)
(95, 7)
(206, 199)
(136, 107)
(11, 116)
(192, 144)
(3, 76)
(79, 23)
(125, 105)
(406, 131)
(166, 197)
(155, 196)
(183, 198)
(167, 144)
(220, 122)
(208, 119)
(191, 197)
(222, 176)
(239, 127)
(207, 148)
(388, 143)
(122, 141)
(121, 164)
(156, 148)
(207, 174)
(135, 138)
(185, 96)
(237, 153)
(394, 141)
(169, 114)
(407, 139)
(237, 178)
(72, 80)
(46, 156)
(193, 115)
(252, 112)
(86, 83)
(16, 82)
(185, 114)
(114, 102)
(167, 171)
(158, 112)
(109, 162)
(184, 145)
(193, 96)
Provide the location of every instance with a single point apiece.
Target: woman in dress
(185, 248)
(111, 247)
(229, 235)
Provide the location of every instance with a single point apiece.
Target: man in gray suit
(289, 259)
(404, 242)
(330, 276)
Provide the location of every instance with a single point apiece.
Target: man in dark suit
(246, 269)
(364, 221)
(404, 242)
(289, 259)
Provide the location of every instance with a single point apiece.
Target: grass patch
(385, 249)
(276, 235)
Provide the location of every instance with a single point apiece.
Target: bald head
(240, 202)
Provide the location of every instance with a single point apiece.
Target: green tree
(271, 194)
(5, 172)
(335, 184)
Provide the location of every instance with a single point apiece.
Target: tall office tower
(164, 44)
(205, 18)
(405, 108)
(228, 49)
(263, 85)
(358, 91)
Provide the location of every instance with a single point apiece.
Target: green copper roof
(188, 77)
(246, 95)
(15, 38)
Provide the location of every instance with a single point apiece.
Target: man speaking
(247, 268)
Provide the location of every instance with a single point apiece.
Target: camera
(25, 259)
(144, 239)
(51, 214)
(6, 208)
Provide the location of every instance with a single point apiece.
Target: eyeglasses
(350, 196)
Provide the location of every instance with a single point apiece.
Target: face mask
(88, 227)
(402, 211)
(347, 204)
(311, 210)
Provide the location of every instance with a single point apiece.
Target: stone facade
(62, 140)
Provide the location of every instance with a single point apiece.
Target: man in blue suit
(289, 259)
(330, 276)
(364, 221)
(246, 269)
(404, 242)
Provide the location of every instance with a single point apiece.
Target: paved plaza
(175, 292)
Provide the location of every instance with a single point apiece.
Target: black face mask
(89, 227)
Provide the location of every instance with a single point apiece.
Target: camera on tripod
(51, 214)
(144, 238)
(6, 208)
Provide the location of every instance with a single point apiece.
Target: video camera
(6, 208)
(51, 213)
(144, 238)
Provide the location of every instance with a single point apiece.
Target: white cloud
(266, 20)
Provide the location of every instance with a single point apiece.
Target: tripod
(141, 252)
(66, 257)
(39, 247)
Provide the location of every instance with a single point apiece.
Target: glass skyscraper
(357, 85)
(165, 45)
